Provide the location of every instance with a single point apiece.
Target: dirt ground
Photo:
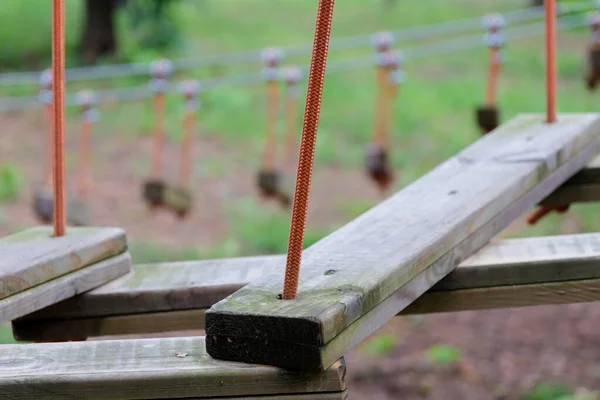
(503, 351)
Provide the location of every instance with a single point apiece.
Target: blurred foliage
(10, 182)
(443, 355)
(381, 345)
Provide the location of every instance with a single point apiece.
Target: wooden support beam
(166, 368)
(583, 187)
(172, 297)
(37, 270)
(356, 279)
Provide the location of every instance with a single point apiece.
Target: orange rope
(493, 73)
(49, 147)
(307, 147)
(392, 94)
(58, 90)
(550, 8)
(269, 160)
(291, 113)
(84, 154)
(185, 170)
(159, 134)
(380, 107)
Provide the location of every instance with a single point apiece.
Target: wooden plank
(165, 368)
(582, 291)
(33, 256)
(583, 187)
(172, 297)
(61, 288)
(360, 276)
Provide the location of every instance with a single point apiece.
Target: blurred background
(539, 353)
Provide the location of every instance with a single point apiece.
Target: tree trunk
(98, 37)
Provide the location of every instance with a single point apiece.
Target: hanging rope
(494, 41)
(382, 42)
(593, 73)
(160, 70)
(292, 78)
(488, 115)
(58, 89)
(45, 98)
(190, 91)
(312, 110)
(395, 77)
(550, 8)
(271, 57)
(86, 100)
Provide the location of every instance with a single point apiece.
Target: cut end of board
(360, 276)
(32, 257)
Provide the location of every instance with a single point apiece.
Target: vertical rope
(493, 73)
(269, 159)
(190, 91)
(58, 91)
(48, 169)
(550, 9)
(291, 115)
(307, 147)
(159, 134)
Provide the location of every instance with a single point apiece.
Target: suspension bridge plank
(172, 297)
(359, 277)
(33, 256)
(165, 368)
(61, 288)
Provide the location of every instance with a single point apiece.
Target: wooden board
(32, 257)
(172, 297)
(166, 368)
(584, 187)
(63, 287)
(356, 279)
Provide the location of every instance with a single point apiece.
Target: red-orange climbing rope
(312, 110)
(550, 7)
(58, 91)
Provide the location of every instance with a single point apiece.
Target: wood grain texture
(427, 228)
(33, 256)
(173, 296)
(64, 287)
(581, 291)
(583, 187)
(166, 286)
(166, 368)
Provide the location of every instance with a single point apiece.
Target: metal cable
(136, 93)
(253, 56)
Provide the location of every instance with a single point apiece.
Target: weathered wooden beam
(166, 368)
(172, 297)
(37, 270)
(359, 277)
(583, 187)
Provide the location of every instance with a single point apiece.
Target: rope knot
(189, 89)
(293, 75)
(85, 99)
